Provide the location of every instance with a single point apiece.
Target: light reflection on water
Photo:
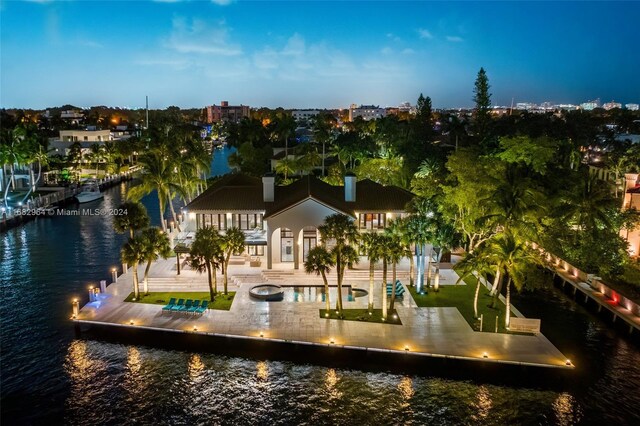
(48, 373)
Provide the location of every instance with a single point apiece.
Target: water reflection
(195, 367)
(331, 382)
(483, 403)
(566, 410)
(263, 370)
(406, 389)
(83, 371)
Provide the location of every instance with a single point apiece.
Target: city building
(590, 105)
(612, 105)
(225, 112)
(281, 222)
(86, 138)
(632, 107)
(304, 114)
(367, 112)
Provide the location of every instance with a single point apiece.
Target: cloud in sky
(197, 36)
(424, 33)
(455, 39)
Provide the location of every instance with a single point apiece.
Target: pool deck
(430, 332)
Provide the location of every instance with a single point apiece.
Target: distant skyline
(311, 54)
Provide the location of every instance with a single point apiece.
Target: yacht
(89, 191)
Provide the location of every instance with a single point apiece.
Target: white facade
(367, 112)
(632, 107)
(304, 114)
(85, 135)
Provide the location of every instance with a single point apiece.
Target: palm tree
(12, 151)
(371, 247)
(207, 256)
(134, 219)
(320, 261)
(384, 243)
(419, 226)
(399, 228)
(340, 231)
(395, 253)
(446, 238)
(97, 154)
(232, 242)
(475, 262)
(131, 254)
(157, 175)
(155, 243)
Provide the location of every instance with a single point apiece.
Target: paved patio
(440, 332)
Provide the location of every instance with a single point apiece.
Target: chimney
(268, 184)
(350, 187)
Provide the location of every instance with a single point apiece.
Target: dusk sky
(307, 54)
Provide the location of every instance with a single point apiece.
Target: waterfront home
(281, 221)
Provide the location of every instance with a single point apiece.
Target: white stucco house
(280, 222)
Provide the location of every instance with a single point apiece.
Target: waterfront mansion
(281, 221)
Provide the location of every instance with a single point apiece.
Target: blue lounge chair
(186, 306)
(178, 306)
(194, 308)
(399, 289)
(167, 307)
(202, 309)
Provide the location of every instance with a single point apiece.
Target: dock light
(131, 322)
(332, 341)
(406, 348)
(567, 362)
(485, 355)
(195, 328)
(261, 334)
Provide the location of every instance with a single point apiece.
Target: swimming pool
(316, 293)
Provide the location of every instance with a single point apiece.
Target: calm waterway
(49, 376)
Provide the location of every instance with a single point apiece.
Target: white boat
(89, 191)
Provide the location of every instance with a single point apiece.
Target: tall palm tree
(13, 151)
(419, 226)
(157, 175)
(155, 243)
(231, 242)
(371, 246)
(207, 256)
(319, 261)
(475, 262)
(132, 254)
(399, 228)
(384, 244)
(445, 238)
(395, 252)
(340, 231)
(134, 219)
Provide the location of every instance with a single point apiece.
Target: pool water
(312, 294)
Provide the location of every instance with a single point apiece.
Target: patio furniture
(202, 309)
(194, 308)
(399, 289)
(168, 307)
(178, 306)
(186, 306)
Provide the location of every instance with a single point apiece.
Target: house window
(372, 221)
(255, 250)
(247, 221)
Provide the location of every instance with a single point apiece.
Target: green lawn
(461, 297)
(222, 302)
(362, 315)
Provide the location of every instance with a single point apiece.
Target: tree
(340, 231)
(482, 110)
(319, 261)
(476, 262)
(132, 254)
(395, 251)
(445, 238)
(231, 242)
(135, 217)
(323, 125)
(370, 243)
(419, 226)
(155, 243)
(12, 151)
(207, 256)
(157, 175)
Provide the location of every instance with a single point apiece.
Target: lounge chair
(202, 309)
(194, 308)
(187, 306)
(178, 306)
(399, 289)
(168, 307)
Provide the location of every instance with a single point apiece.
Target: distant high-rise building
(225, 112)
(527, 106)
(632, 107)
(612, 105)
(367, 112)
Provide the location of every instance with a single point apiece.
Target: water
(49, 376)
(219, 164)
